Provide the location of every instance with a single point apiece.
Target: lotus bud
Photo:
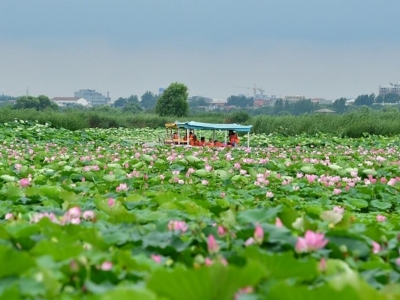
(298, 224)
(343, 249)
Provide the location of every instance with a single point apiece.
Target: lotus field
(94, 214)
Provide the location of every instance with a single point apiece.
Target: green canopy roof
(210, 126)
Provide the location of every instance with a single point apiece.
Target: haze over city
(313, 48)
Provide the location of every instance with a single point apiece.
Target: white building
(93, 97)
(70, 101)
(390, 89)
(294, 98)
(217, 103)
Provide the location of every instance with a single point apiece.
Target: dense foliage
(357, 123)
(173, 102)
(39, 103)
(94, 214)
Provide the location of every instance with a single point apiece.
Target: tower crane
(249, 88)
(255, 88)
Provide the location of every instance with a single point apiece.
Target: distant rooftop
(65, 99)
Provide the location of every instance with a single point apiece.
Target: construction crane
(254, 90)
(262, 92)
(249, 88)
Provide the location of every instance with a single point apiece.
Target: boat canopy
(171, 125)
(211, 126)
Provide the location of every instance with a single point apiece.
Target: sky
(218, 48)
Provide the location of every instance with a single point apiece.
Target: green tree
(133, 99)
(198, 102)
(173, 102)
(45, 102)
(239, 117)
(304, 106)
(132, 107)
(388, 98)
(278, 106)
(339, 105)
(120, 102)
(6, 98)
(240, 101)
(149, 100)
(40, 103)
(367, 100)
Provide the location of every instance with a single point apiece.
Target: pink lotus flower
(156, 258)
(122, 187)
(177, 226)
(249, 241)
(243, 291)
(380, 218)
(269, 194)
(106, 266)
(311, 241)
(278, 223)
(24, 182)
(9, 216)
(162, 177)
(111, 202)
(337, 191)
(208, 261)
(221, 231)
(74, 212)
(212, 245)
(208, 168)
(258, 234)
(51, 216)
(181, 181)
(376, 248)
(88, 215)
(237, 166)
(204, 182)
(222, 195)
(338, 209)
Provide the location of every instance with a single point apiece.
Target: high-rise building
(390, 89)
(93, 97)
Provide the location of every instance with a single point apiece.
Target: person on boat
(233, 138)
(175, 136)
(202, 141)
(210, 143)
(217, 143)
(194, 141)
(190, 136)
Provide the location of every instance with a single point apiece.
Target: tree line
(174, 101)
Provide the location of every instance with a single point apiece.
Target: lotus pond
(94, 214)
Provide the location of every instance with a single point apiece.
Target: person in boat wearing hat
(233, 138)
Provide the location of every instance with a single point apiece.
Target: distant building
(325, 111)
(390, 89)
(217, 103)
(93, 97)
(70, 101)
(321, 101)
(294, 98)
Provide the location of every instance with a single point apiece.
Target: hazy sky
(314, 48)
